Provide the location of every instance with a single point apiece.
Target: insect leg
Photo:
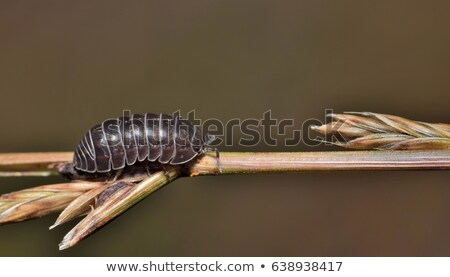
(166, 172)
(116, 176)
(218, 160)
(216, 150)
(147, 168)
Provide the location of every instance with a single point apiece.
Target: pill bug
(150, 140)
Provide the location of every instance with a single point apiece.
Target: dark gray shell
(124, 141)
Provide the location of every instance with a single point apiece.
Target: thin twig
(32, 164)
(276, 162)
(272, 162)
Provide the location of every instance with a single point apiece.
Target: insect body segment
(124, 141)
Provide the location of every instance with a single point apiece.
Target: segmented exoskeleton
(125, 141)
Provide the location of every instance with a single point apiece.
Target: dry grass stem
(273, 162)
(294, 162)
(32, 164)
(385, 132)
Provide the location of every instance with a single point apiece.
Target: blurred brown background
(65, 65)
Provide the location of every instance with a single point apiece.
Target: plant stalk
(284, 162)
(43, 164)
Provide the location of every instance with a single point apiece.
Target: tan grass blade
(385, 132)
(113, 202)
(39, 201)
(79, 206)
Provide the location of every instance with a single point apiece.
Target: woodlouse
(122, 142)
